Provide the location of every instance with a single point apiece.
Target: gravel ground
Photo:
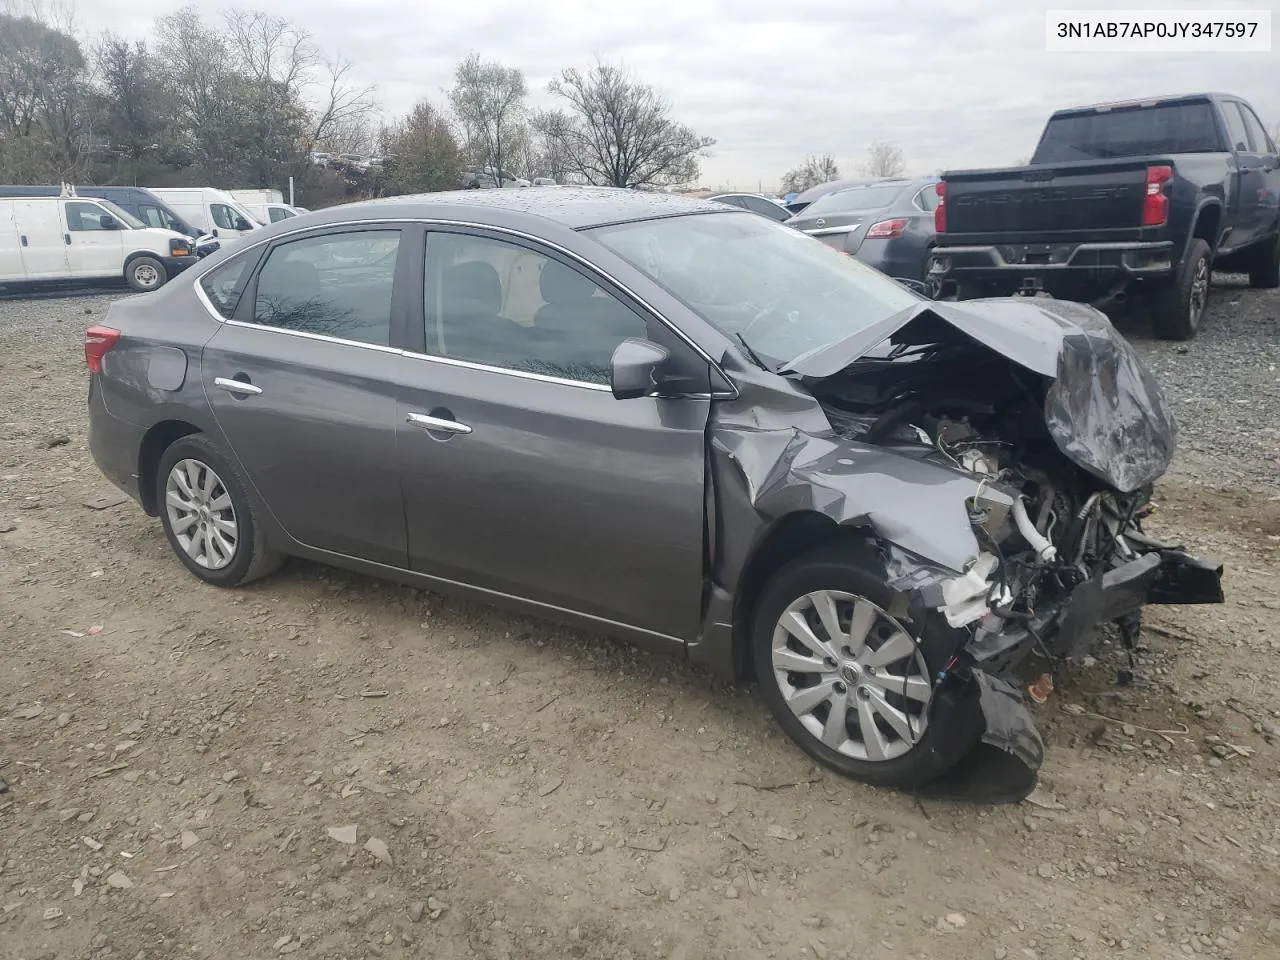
(1225, 385)
(333, 767)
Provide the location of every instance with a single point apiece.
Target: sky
(955, 83)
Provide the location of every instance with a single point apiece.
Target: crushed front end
(1065, 432)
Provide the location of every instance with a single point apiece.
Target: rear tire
(145, 274)
(1178, 309)
(208, 517)
(1264, 265)
(858, 675)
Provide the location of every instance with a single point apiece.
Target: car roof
(572, 207)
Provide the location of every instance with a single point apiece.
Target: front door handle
(436, 423)
(237, 386)
(66, 238)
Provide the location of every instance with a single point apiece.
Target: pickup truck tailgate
(1086, 196)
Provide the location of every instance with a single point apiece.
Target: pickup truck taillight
(97, 341)
(1155, 205)
(940, 212)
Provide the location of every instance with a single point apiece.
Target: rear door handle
(237, 386)
(436, 423)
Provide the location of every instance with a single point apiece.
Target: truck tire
(1264, 265)
(1178, 309)
(145, 274)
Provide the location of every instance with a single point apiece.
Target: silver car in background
(888, 225)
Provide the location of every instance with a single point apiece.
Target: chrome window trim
(522, 374)
(244, 247)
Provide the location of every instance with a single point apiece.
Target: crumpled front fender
(901, 497)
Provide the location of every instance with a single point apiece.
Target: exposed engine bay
(1062, 551)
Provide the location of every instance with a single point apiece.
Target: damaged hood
(1103, 408)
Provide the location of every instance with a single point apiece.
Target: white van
(267, 206)
(214, 211)
(69, 237)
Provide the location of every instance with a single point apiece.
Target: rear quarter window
(223, 285)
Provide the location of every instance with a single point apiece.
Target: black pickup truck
(1137, 201)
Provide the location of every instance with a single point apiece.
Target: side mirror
(634, 369)
(214, 233)
(243, 225)
(108, 222)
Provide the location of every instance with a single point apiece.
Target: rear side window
(927, 199)
(338, 285)
(1129, 132)
(279, 213)
(1235, 127)
(224, 285)
(1257, 135)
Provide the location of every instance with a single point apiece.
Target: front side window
(503, 305)
(87, 217)
(279, 213)
(782, 292)
(338, 285)
(152, 216)
(227, 218)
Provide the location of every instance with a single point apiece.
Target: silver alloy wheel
(146, 275)
(201, 515)
(1199, 290)
(852, 675)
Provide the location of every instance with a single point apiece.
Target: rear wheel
(849, 682)
(1264, 265)
(1178, 309)
(207, 515)
(146, 273)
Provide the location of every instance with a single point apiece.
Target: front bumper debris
(1004, 766)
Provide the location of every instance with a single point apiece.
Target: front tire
(847, 681)
(1179, 309)
(207, 515)
(145, 274)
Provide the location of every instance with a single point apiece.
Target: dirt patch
(187, 768)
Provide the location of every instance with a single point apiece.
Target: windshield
(780, 291)
(124, 215)
(1129, 132)
(858, 198)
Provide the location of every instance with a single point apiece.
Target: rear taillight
(887, 230)
(940, 212)
(97, 341)
(1155, 205)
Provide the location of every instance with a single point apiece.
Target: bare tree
(618, 131)
(884, 159)
(813, 171)
(284, 58)
(488, 100)
(342, 109)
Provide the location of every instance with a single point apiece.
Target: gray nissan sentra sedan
(671, 421)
